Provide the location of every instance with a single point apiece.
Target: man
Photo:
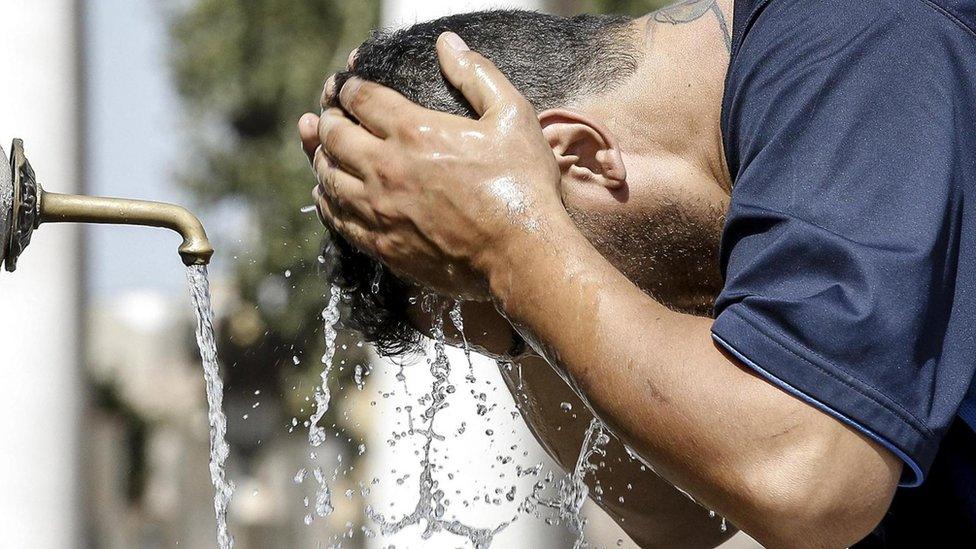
(664, 235)
(841, 360)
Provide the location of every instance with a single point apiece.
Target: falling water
(323, 397)
(572, 490)
(458, 322)
(431, 506)
(330, 317)
(223, 489)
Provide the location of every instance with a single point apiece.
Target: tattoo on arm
(687, 11)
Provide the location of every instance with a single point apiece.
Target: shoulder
(755, 19)
(823, 41)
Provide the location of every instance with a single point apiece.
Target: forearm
(742, 447)
(648, 508)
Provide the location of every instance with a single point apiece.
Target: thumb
(308, 126)
(477, 78)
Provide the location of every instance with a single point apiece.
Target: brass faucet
(30, 206)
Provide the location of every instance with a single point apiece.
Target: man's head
(640, 208)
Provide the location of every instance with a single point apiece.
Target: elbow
(820, 503)
(808, 519)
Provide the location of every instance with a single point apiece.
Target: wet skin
(653, 513)
(424, 202)
(621, 213)
(649, 212)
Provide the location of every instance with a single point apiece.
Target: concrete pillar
(40, 391)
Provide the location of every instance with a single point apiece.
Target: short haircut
(551, 60)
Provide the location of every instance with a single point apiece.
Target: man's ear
(584, 148)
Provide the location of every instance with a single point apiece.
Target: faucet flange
(24, 216)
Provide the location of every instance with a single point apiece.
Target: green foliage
(247, 69)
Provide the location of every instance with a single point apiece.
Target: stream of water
(323, 399)
(219, 450)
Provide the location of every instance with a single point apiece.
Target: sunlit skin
(640, 174)
(420, 190)
(653, 513)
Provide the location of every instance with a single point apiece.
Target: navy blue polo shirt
(849, 251)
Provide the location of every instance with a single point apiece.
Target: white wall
(39, 329)
(404, 12)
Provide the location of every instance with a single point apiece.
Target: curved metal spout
(59, 208)
(24, 206)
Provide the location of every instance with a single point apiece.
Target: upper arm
(820, 480)
(648, 508)
(850, 236)
(846, 241)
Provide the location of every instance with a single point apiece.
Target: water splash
(431, 507)
(458, 321)
(219, 450)
(572, 491)
(323, 398)
(377, 279)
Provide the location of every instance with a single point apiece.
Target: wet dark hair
(551, 60)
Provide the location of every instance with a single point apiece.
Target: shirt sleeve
(841, 250)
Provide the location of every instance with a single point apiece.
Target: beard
(670, 251)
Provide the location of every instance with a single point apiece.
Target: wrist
(513, 265)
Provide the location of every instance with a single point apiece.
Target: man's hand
(455, 203)
(432, 195)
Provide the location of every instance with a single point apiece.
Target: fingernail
(351, 60)
(455, 41)
(329, 87)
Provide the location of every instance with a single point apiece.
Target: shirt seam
(901, 414)
(749, 22)
(913, 465)
(949, 15)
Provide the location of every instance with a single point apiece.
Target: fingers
(351, 228)
(329, 89)
(319, 200)
(328, 93)
(308, 130)
(347, 143)
(344, 192)
(477, 78)
(378, 108)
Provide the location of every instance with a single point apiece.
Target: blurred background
(104, 430)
